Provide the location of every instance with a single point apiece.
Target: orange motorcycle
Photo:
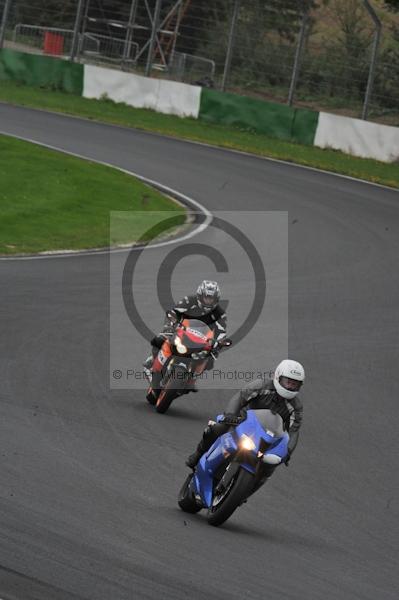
(182, 358)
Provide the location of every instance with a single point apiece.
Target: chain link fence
(337, 55)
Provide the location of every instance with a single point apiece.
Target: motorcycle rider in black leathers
(204, 305)
(278, 395)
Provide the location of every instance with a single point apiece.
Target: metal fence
(192, 69)
(42, 39)
(107, 49)
(336, 55)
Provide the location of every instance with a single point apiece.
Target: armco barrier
(272, 119)
(304, 126)
(352, 136)
(140, 92)
(160, 95)
(176, 98)
(41, 71)
(358, 138)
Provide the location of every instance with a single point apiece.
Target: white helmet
(288, 378)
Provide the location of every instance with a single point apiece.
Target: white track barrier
(356, 137)
(163, 96)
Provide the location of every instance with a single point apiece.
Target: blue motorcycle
(235, 466)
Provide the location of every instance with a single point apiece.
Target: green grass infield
(50, 201)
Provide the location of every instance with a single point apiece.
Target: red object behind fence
(53, 43)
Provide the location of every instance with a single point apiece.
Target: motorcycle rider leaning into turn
(204, 306)
(280, 395)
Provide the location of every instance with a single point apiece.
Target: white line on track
(165, 189)
(186, 200)
(294, 164)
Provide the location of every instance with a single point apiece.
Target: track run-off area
(90, 475)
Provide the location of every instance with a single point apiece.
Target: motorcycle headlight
(247, 443)
(181, 348)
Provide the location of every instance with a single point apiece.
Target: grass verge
(217, 135)
(51, 201)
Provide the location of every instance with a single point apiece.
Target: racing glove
(231, 419)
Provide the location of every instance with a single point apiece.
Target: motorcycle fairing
(227, 444)
(195, 335)
(251, 426)
(209, 464)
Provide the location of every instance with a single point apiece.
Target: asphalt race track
(89, 476)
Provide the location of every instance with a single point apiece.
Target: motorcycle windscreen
(197, 334)
(266, 429)
(270, 422)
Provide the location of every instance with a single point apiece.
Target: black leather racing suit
(257, 395)
(188, 308)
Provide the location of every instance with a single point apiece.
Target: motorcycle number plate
(162, 358)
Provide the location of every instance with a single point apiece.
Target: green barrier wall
(304, 126)
(269, 118)
(41, 71)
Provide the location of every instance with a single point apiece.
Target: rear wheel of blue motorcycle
(185, 499)
(174, 387)
(240, 489)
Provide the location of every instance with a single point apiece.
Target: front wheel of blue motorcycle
(186, 499)
(226, 502)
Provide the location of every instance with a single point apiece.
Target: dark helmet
(208, 295)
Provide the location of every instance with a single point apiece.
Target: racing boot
(147, 366)
(193, 459)
(202, 447)
(208, 437)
